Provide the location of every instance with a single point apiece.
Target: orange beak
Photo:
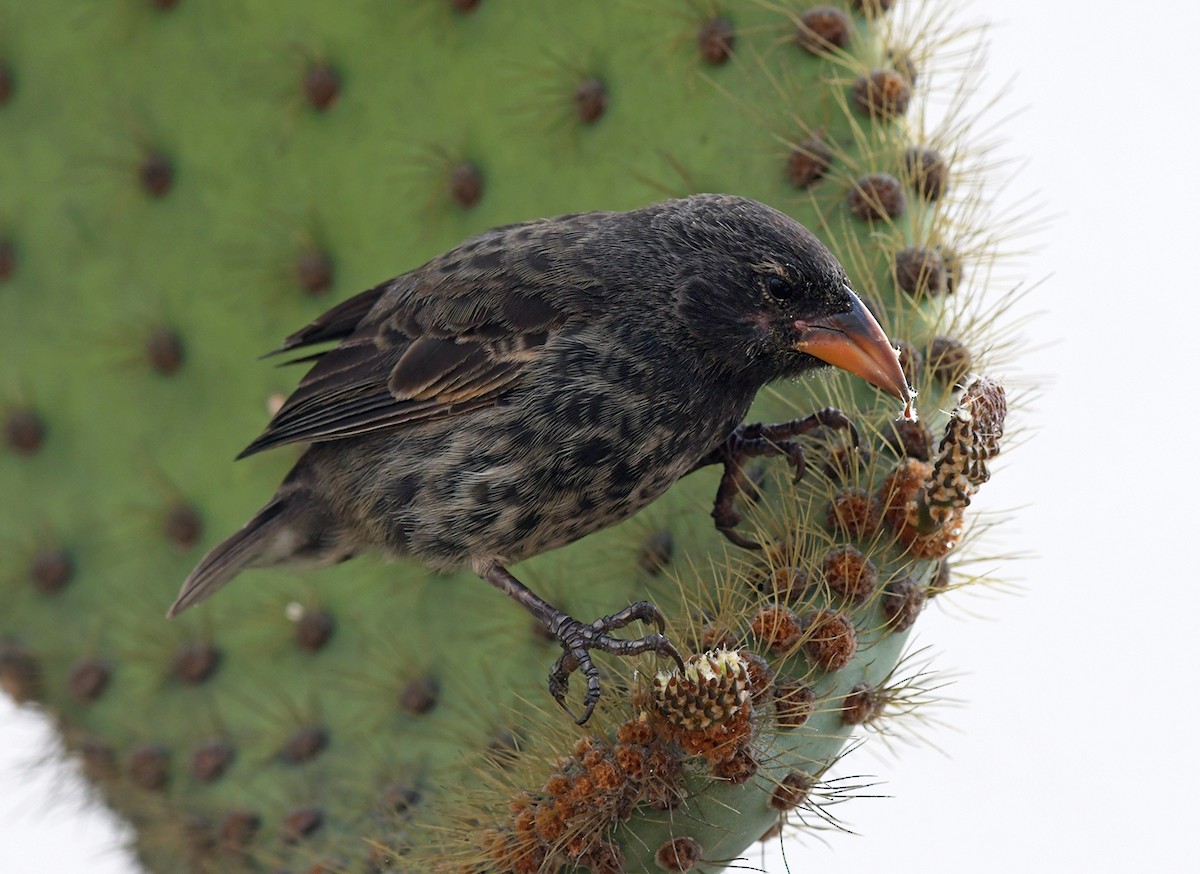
(854, 342)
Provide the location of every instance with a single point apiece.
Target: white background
(1072, 748)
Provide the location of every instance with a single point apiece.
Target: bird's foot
(578, 639)
(751, 441)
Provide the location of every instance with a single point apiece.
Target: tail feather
(234, 554)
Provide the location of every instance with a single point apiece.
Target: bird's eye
(778, 287)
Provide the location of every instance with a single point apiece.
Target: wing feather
(412, 351)
(337, 323)
(428, 362)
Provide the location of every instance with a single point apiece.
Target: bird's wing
(426, 353)
(337, 323)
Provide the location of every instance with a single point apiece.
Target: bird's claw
(750, 441)
(578, 639)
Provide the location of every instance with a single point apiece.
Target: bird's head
(761, 292)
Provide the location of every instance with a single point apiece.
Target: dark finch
(543, 381)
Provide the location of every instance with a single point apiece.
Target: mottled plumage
(540, 382)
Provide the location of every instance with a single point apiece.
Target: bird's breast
(582, 446)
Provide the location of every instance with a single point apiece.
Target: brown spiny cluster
(949, 360)
(923, 502)
(853, 512)
(849, 574)
(715, 635)
(903, 601)
(792, 791)
(679, 854)
(785, 584)
(706, 709)
(900, 492)
(761, 675)
(561, 819)
(864, 704)
(778, 628)
(794, 702)
(586, 795)
(971, 440)
(829, 639)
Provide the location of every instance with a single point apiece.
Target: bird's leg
(750, 441)
(733, 482)
(578, 639)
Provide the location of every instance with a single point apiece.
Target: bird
(540, 382)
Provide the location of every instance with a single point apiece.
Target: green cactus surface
(184, 183)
